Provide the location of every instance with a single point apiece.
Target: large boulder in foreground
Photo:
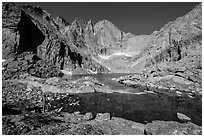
(172, 128)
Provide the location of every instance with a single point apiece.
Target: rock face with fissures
(31, 29)
(101, 47)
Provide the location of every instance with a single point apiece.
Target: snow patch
(66, 72)
(115, 54)
(2, 62)
(92, 72)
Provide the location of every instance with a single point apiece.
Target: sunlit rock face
(89, 47)
(10, 37)
(31, 29)
(176, 50)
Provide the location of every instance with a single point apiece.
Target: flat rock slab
(172, 128)
(104, 116)
(52, 81)
(183, 117)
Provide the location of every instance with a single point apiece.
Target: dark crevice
(62, 54)
(75, 57)
(30, 36)
(179, 53)
(62, 50)
(9, 110)
(191, 80)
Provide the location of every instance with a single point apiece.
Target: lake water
(161, 106)
(106, 79)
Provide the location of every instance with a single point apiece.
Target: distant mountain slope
(88, 47)
(173, 58)
(175, 41)
(177, 48)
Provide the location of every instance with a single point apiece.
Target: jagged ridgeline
(31, 29)
(88, 47)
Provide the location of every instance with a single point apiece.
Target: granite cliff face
(88, 47)
(10, 37)
(176, 51)
(30, 29)
(173, 59)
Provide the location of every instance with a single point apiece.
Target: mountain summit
(88, 47)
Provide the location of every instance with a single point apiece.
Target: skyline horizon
(149, 21)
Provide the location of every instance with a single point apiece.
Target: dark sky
(135, 17)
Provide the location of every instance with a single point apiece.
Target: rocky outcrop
(29, 63)
(10, 36)
(179, 39)
(171, 128)
(34, 30)
(172, 57)
(101, 47)
(176, 50)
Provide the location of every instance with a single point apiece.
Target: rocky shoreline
(38, 103)
(60, 105)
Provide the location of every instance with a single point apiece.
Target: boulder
(52, 81)
(70, 118)
(32, 57)
(13, 65)
(172, 128)
(45, 69)
(88, 116)
(103, 116)
(183, 117)
(7, 61)
(73, 118)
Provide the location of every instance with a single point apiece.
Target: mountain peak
(105, 23)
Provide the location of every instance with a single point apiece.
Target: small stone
(23, 76)
(59, 118)
(183, 117)
(71, 118)
(13, 65)
(172, 88)
(6, 62)
(104, 116)
(31, 57)
(52, 81)
(24, 62)
(88, 116)
(67, 117)
(139, 127)
(12, 70)
(77, 112)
